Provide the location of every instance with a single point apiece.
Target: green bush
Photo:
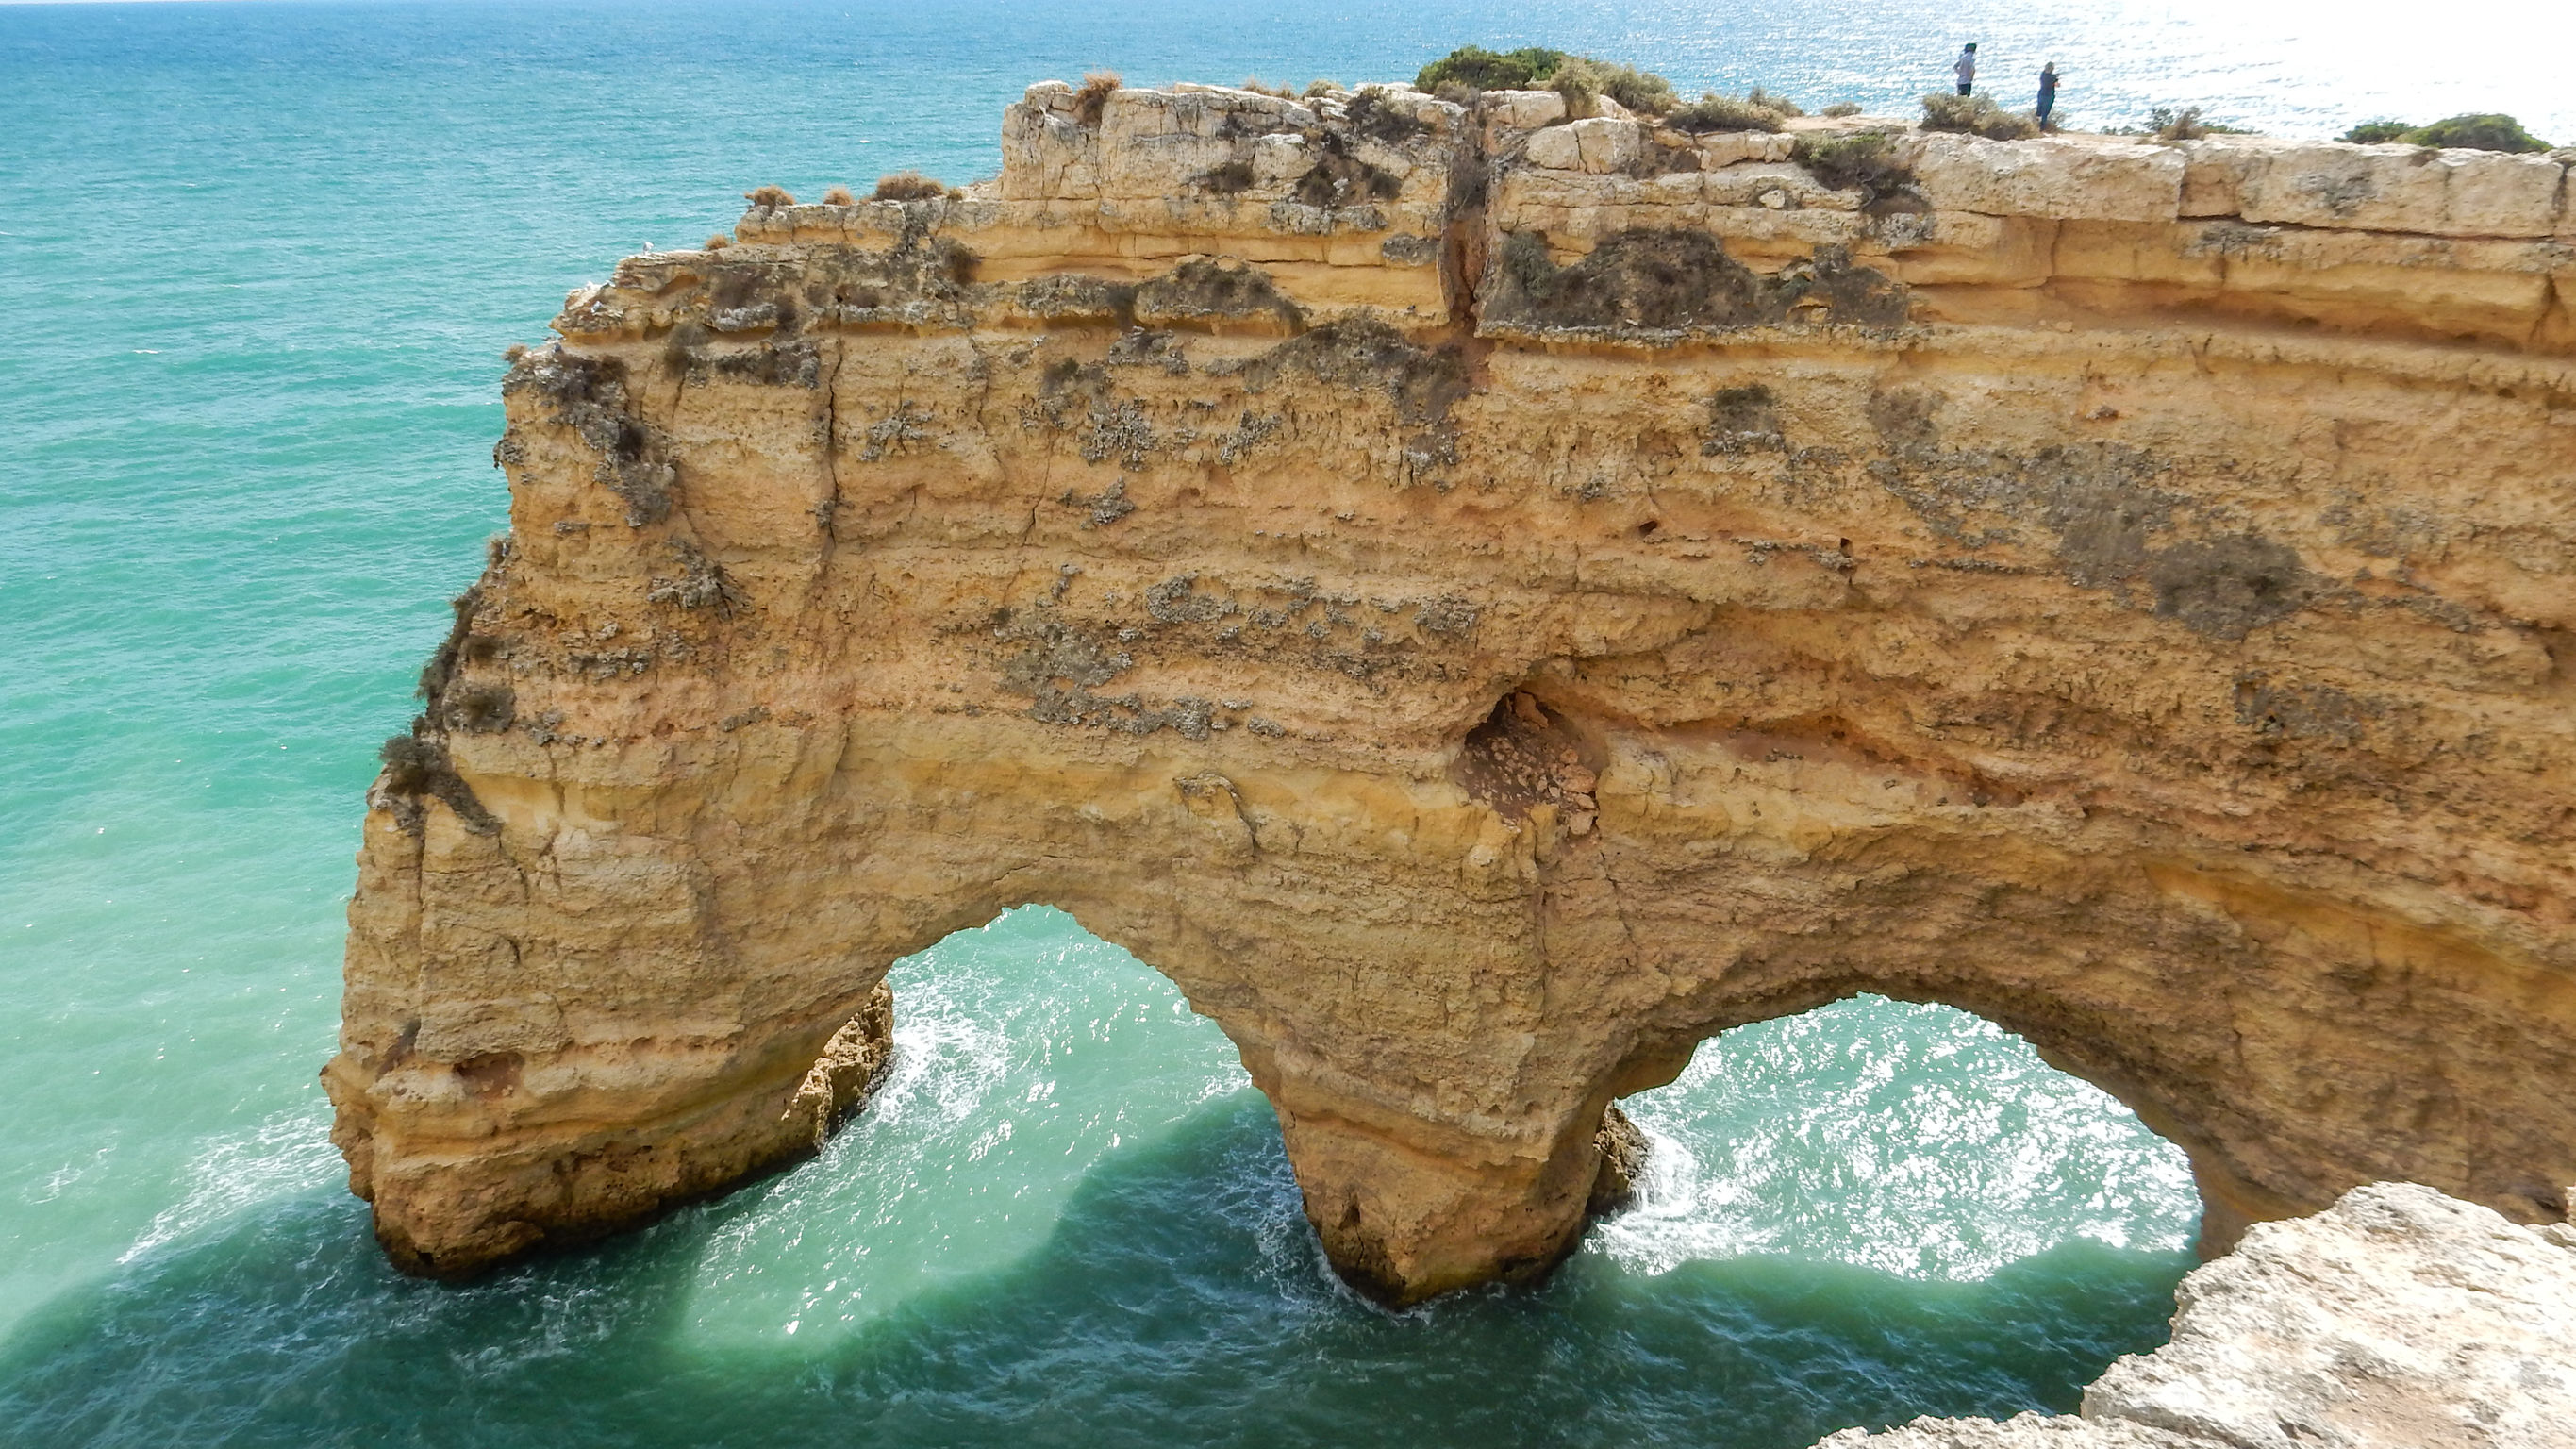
(1642, 91)
(1579, 78)
(2167, 124)
(1780, 106)
(1841, 108)
(2373, 133)
(1976, 115)
(1479, 69)
(1713, 112)
(2476, 133)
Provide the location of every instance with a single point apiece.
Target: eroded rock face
(1482, 627)
(2397, 1319)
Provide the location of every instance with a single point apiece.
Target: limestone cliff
(2397, 1319)
(1485, 602)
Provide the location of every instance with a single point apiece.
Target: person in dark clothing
(1965, 68)
(2047, 92)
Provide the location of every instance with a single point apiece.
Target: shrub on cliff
(1093, 97)
(2167, 124)
(1862, 161)
(481, 708)
(1713, 112)
(1368, 114)
(1230, 179)
(769, 196)
(415, 767)
(1648, 279)
(1976, 116)
(1780, 106)
(839, 196)
(1463, 72)
(1340, 179)
(1526, 266)
(907, 186)
(1479, 69)
(1580, 79)
(719, 242)
(2465, 133)
(2477, 133)
(1840, 109)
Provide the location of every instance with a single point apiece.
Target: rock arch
(1440, 1006)
(2171, 664)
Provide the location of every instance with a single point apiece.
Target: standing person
(1966, 68)
(2047, 92)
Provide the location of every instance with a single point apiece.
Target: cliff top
(1611, 228)
(1190, 140)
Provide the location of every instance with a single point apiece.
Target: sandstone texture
(2397, 1319)
(1485, 601)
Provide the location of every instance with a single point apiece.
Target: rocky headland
(1485, 601)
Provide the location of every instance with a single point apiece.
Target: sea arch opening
(926, 1198)
(1875, 1209)
(1912, 1138)
(1026, 1053)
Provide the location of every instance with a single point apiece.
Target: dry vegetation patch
(907, 186)
(1976, 115)
(1093, 97)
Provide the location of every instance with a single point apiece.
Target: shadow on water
(1179, 1299)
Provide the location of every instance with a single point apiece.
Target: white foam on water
(1915, 1140)
(51, 1185)
(289, 1153)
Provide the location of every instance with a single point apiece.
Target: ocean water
(259, 263)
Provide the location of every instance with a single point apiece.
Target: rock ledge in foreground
(2397, 1319)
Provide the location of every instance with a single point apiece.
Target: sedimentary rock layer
(2397, 1319)
(1484, 602)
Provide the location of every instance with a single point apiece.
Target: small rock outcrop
(2397, 1319)
(1486, 602)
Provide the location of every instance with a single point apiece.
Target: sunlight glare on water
(1916, 1140)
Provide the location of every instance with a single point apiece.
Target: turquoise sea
(259, 263)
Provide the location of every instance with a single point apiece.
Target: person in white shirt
(1966, 68)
